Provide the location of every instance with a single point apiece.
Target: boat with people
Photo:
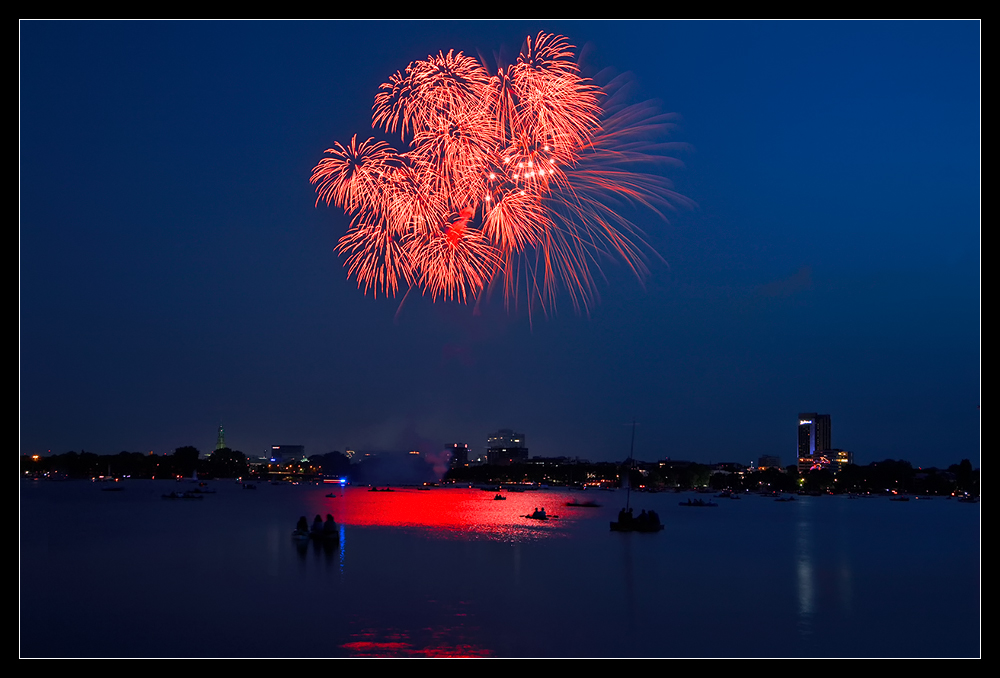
(539, 514)
(182, 495)
(499, 497)
(320, 530)
(697, 502)
(647, 521)
(301, 531)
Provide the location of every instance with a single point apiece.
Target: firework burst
(518, 178)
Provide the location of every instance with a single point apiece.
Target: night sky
(175, 273)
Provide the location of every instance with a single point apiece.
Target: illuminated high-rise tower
(814, 437)
(220, 441)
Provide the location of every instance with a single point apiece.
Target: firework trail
(518, 178)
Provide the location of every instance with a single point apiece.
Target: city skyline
(177, 273)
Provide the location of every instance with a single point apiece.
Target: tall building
(220, 439)
(506, 447)
(814, 438)
(459, 455)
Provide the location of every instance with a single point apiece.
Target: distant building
(280, 453)
(769, 461)
(220, 439)
(459, 455)
(842, 458)
(506, 447)
(830, 460)
(816, 450)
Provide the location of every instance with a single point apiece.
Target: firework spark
(518, 178)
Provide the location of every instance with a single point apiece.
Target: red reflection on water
(452, 511)
(398, 644)
(370, 649)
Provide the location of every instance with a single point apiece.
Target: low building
(506, 447)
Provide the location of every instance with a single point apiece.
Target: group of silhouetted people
(320, 529)
(645, 520)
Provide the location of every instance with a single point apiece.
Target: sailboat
(644, 522)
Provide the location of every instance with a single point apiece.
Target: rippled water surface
(452, 572)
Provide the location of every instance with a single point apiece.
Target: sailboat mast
(628, 477)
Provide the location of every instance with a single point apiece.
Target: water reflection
(452, 512)
(437, 642)
(804, 571)
(453, 572)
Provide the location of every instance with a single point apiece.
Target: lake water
(451, 572)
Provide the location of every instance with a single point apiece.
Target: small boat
(330, 530)
(321, 530)
(499, 497)
(301, 531)
(590, 503)
(698, 502)
(644, 522)
(539, 514)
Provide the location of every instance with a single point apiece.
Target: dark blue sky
(175, 273)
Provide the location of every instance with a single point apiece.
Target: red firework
(516, 177)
